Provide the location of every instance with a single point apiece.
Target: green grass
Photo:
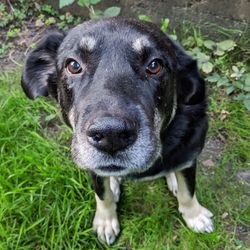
(47, 203)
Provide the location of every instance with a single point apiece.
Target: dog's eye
(154, 67)
(73, 67)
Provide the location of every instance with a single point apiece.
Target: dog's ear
(190, 84)
(39, 71)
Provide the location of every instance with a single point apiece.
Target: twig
(32, 40)
(14, 61)
(11, 6)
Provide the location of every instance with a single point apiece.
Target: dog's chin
(114, 170)
(111, 170)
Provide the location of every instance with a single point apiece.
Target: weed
(93, 13)
(50, 21)
(13, 32)
(4, 48)
(215, 61)
(48, 9)
(144, 18)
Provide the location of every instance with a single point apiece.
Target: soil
(21, 44)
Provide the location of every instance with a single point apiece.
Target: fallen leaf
(174, 237)
(223, 115)
(224, 215)
(207, 67)
(39, 23)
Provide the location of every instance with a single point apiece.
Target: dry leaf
(224, 215)
(39, 23)
(223, 115)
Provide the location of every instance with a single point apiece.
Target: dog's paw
(172, 183)
(115, 187)
(106, 226)
(200, 222)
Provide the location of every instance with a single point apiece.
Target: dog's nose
(111, 134)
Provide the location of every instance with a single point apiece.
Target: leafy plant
(144, 18)
(5, 47)
(215, 61)
(94, 14)
(235, 82)
(63, 3)
(49, 10)
(12, 32)
(5, 17)
(50, 21)
(219, 49)
(87, 3)
(211, 57)
(109, 12)
(203, 60)
(164, 24)
(66, 20)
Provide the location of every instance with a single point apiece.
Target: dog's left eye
(154, 67)
(73, 67)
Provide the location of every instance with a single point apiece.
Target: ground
(47, 203)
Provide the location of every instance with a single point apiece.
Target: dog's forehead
(107, 33)
(87, 42)
(137, 43)
(118, 38)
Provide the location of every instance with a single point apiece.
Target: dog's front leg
(197, 217)
(105, 223)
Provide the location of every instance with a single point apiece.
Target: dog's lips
(111, 168)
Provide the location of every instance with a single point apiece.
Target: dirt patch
(213, 149)
(243, 234)
(21, 44)
(244, 176)
(241, 238)
(211, 155)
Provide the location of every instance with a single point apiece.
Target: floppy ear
(190, 84)
(39, 71)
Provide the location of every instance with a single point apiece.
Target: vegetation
(48, 203)
(93, 13)
(17, 16)
(222, 63)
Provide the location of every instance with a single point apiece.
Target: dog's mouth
(111, 168)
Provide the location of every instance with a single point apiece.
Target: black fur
(189, 175)
(98, 184)
(39, 74)
(115, 83)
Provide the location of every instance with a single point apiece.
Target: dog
(136, 104)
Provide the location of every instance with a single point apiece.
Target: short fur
(167, 110)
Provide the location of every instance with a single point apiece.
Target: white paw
(115, 187)
(106, 225)
(172, 183)
(201, 222)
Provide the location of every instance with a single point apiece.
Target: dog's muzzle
(111, 134)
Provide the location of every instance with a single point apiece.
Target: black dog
(137, 106)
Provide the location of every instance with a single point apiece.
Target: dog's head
(118, 82)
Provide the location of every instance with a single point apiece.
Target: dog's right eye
(154, 67)
(73, 67)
